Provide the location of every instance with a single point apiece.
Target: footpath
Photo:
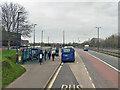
(36, 75)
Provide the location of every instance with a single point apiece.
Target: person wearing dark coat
(53, 55)
(49, 55)
(45, 54)
(16, 58)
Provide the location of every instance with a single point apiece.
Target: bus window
(66, 50)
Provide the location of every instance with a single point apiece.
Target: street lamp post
(98, 37)
(34, 35)
(17, 35)
(48, 39)
(42, 39)
(63, 38)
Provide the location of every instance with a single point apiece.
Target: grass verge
(10, 70)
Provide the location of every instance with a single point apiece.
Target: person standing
(16, 58)
(45, 54)
(53, 55)
(41, 57)
(49, 54)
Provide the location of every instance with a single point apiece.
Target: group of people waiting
(45, 55)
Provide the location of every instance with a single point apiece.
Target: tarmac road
(107, 58)
(102, 75)
(65, 77)
(86, 72)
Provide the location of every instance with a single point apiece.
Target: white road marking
(105, 63)
(66, 86)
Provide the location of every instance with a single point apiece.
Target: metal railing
(113, 52)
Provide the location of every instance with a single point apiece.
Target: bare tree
(9, 18)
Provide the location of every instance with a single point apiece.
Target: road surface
(90, 70)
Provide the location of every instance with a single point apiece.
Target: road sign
(19, 58)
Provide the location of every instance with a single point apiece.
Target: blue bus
(67, 54)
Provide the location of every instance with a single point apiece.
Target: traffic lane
(65, 78)
(102, 75)
(107, 58)
(80, 72)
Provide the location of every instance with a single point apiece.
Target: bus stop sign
(19, 59)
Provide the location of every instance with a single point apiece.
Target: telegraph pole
(63, 38)
(17, 29)
(42, 39)
(98, 37)
(48, 39)
(34, 34)
(17, 36)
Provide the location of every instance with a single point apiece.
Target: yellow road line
(51, 83)
(87, 72)
(90, 78)
(93, 85)
(69, 87)
(81, 85)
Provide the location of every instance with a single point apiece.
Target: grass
(10, 70)
(8, 55)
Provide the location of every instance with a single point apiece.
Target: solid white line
(105, 62)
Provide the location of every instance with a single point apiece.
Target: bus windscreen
(67, 50)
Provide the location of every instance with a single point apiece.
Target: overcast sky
(77, 19)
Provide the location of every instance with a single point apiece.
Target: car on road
(86, 47)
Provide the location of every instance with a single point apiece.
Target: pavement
(36, 75)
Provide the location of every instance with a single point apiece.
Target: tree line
(112, 41)
(13, 18)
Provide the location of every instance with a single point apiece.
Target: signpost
(19, 58)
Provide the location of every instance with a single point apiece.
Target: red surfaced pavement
(107, 73)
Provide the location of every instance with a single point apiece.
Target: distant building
(24, 42)
(94, 40)
(13, 38)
